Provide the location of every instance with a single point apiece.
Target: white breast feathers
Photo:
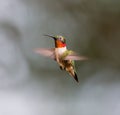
(61, 50)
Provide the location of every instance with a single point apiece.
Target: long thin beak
(51, 37)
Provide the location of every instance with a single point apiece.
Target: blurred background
(31, 84)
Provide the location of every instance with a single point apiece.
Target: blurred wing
(75, 56)
(46, 52)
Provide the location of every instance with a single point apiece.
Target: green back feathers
(66, 53)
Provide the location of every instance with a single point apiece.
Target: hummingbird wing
(75, 57)
(71, 55)
(46, 52)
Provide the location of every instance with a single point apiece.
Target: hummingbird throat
(59, 44)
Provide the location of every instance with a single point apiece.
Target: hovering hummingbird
(64, 57)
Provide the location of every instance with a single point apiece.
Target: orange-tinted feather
(59, 44)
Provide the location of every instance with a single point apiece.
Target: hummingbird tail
(75, 77)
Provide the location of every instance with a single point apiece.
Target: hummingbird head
(60, 41)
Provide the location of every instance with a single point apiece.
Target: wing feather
(46, 52)
(74, 56)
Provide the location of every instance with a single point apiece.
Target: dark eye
(60, 38)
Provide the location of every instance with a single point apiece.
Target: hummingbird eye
(62, 39)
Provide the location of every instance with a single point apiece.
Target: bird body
(64, 57)
(61, 50)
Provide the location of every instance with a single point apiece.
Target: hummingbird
(64, 57)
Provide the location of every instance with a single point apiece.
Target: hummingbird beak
(51, 37)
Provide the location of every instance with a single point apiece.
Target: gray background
(34, 85)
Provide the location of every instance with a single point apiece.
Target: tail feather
(75, 77)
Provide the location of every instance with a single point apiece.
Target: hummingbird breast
(64, 64)
(60, 51)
